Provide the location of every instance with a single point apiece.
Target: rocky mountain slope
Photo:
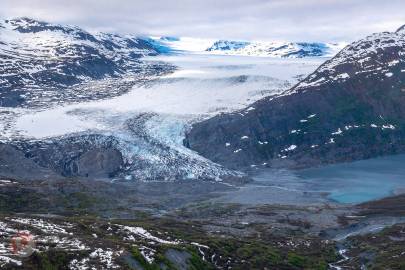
(350, 108)
(40, 61)
(99, 156)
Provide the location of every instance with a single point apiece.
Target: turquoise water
(358, 181)
(352, 183)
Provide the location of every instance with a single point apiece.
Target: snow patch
(290, 148)
(338, 132)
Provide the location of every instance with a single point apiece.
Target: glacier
(66, 91)
(148, 123)
(285, 49)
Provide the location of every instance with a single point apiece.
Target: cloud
(295, 20)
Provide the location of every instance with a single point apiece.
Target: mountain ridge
(247, 48)
(38, 57)
(349, 108)
(275, 49)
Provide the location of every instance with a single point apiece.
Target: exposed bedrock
(71, 157)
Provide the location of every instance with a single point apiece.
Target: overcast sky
(295, 20)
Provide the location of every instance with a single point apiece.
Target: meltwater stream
(348, 183)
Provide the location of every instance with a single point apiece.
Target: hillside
(350, 108)
(40, 62)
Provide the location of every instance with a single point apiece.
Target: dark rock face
(14, 164)
(178, 258)
(350, 108)
(96, 163)
(93, 156)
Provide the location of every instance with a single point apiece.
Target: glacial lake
(348, 183)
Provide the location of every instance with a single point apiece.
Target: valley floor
(189, 225)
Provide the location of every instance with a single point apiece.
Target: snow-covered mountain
(248, 48)
(38, 57)
(226, 45)
(275, 49)
(378, 56)
(350, 108)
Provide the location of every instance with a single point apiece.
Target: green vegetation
(195, 262)
(21, 201)
(142, 261)
(249, 252)
(379, 251)
(50, 260)
(296, 260)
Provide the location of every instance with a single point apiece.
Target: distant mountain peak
(24, 20)
(29, 25)
(359, 58)
(25, 23)
(228, 45)
(247, 48)
(63, 56)
(275, 49)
